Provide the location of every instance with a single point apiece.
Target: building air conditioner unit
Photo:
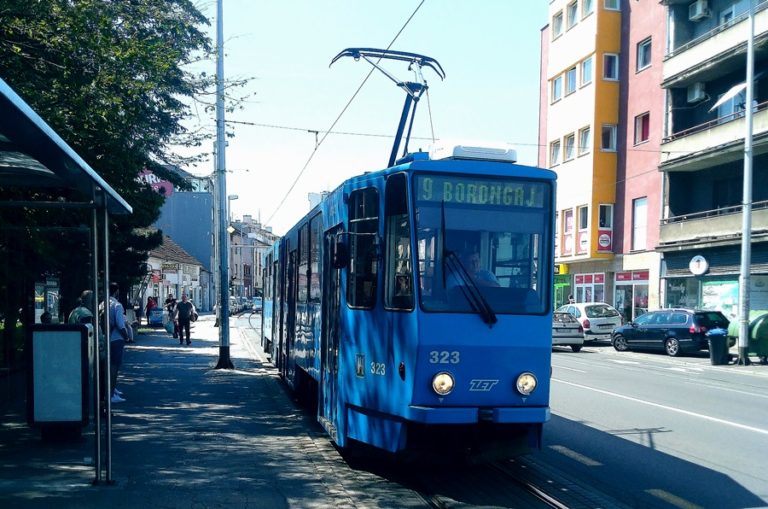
(698, 10)
(696, 92)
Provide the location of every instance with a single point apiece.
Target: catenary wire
(330, 129)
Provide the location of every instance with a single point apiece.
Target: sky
(489, 50)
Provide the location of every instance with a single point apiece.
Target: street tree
(114, 80)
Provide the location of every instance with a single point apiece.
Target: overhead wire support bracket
(413, 90)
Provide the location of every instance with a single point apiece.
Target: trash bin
(718, 346)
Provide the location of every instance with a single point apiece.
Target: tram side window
(363, 229)
(398, 275)
(303, 264)
(316, 239)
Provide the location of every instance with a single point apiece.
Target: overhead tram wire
(304, 130)
(325, 135)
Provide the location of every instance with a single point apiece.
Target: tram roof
(32, 155)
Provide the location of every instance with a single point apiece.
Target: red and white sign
(159, 186)
(604, 241)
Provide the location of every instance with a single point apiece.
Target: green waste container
(718, 346)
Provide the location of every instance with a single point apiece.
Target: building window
(612, 5)
(554, 153)
(639, 223)
(642, 127)
(567, 244)
(644, 54)
(571, 14)
(605, 219)
(583, 234)
(585, 140)
(608, 138)
(557, 88)
(586, 71)
(587, 7)
(570, 81)
(611, 66)
(557, 25)
(570, 147)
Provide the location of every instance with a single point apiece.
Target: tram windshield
(483, 235)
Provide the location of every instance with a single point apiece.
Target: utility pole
(225, 361)
(746, 208)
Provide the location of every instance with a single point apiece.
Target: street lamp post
(229, 205)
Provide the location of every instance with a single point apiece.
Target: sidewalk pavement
(188, 436)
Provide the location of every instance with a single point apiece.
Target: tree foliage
(112, 78)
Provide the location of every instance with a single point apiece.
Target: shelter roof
(32, 155)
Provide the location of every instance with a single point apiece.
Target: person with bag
(185, 310)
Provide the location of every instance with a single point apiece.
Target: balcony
(715, 52)
(714, 142)
(721, 226)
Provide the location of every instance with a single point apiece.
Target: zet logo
(482, 385)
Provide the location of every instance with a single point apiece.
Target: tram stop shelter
(54, 208)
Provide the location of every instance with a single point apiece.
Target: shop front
(709, 279)
(562, 285)
(589, 287)
(631, 293)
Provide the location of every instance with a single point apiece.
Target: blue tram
(414, 304)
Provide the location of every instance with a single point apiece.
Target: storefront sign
(604, 241)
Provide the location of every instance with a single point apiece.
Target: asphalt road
(660, 432)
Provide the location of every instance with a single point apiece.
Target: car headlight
(442, 383)
(526, 384)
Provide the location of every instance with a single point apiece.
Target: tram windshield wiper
(469, 288)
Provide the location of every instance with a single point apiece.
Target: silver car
(597, 318)
(567, 331)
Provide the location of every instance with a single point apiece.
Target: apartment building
(581, 127)
(650, 210)
(702, 153)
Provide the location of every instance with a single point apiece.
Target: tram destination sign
(479, 191)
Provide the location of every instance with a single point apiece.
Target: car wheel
(619, 343)
(576, 348)
(672, 347)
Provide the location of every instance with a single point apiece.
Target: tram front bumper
(509, 415)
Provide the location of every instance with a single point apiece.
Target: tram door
(290, 316)
(329, 369)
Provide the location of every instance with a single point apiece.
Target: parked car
(674, 331)
(567, 331)
(597, 318)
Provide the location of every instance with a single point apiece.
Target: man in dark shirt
(184, 311)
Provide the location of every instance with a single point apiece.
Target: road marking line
(570, 369)
(665, 407)
(672, 499)
(624, 362)
(569, 453)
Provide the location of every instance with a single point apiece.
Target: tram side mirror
(340, 254)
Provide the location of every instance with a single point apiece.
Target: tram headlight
(526, 383)
(442, 383)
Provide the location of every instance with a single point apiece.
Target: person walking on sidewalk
(184, 311)
(170, 306)
(118, 335)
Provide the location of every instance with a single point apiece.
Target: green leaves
(109, 77)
